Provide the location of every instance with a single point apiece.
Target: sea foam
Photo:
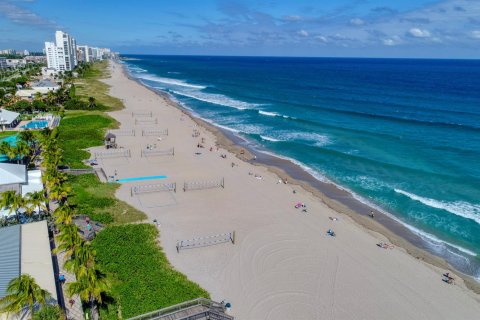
(459, 208)
(170, 81)
(218, 99)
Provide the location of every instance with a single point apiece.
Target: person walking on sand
(372, 215)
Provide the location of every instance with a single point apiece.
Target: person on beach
(372, 215)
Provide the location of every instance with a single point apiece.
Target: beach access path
(283, 265)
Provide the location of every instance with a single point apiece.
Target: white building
(84, 53)
(8, 119)
(61, 55)
(3, 63)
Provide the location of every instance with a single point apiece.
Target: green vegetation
(97, 200)
(4, 134)
(79, 130)
(123, 271)
(23, 291)
(145, 280)
(91, 86)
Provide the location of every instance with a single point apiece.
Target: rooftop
(45, 83)
(9, 256)
(7, 117)
(11, 173)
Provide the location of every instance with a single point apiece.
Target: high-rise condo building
(62, 55)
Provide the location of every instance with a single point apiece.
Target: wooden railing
(199, 308)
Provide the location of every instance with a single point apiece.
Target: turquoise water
(12, 140)
(140, 178)
(402, 134)
(36, 124)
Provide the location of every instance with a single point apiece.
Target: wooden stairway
(198, 309)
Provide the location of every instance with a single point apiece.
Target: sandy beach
(283, 264)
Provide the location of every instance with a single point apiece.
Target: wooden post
(233, 237)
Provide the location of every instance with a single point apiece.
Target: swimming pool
(36, 124)
(140, 178)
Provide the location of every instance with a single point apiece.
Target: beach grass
(97, 200)
(89, 85)
(79, 130)
(143, 279)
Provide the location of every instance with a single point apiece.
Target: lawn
(79, 130)
(143, 279)
(98, 201)
(89, 85)
(4, 134)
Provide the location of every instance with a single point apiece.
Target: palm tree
(6, 198)
(23, 291)
(22, 150)
(49, 312)
(91, 102)
(5, 147)
(64, 214)
(90, 287)
(27, 136)
(50, 99)
(37, 96)
(69, 239)
(8, 150)
(59, 192)
(81, 260)
(37, 200)
(13, 201)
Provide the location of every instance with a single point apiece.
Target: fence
(155, 132)
(112, 154)
(153, 152)
(123, 132)
(146, 121)
(148, 188)
(142, 114)
(77, 172)
(199, 185)
(206, 241)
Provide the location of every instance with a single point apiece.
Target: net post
(233, 237)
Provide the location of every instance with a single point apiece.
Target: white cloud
(292, 18)
(392, 41)
(302, 33)
(321, 38)
(357, 22)
(389, 42)
(419, 33)
(23, 16)
(476, 34)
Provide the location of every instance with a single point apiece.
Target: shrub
(75, 104)
(145, 280)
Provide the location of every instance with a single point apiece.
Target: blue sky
(359, 28)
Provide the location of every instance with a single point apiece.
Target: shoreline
(283, 263)
(329, 193)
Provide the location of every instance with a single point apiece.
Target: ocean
(402, 135)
